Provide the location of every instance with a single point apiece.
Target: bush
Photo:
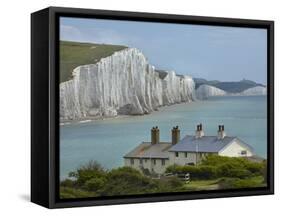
(66, 192)
(67, 183)
(85, 173)
(229, 170)
(95, 184)
(126, 180)
(171, 184)
(196, 172)
(215, 166)
(232, 183)
(255, 168)
(234, 166)
(264, 171)
(208, 172)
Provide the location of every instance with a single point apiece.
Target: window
(163, 162)
(185, 154)
(140, 161)
(244, 152)
(132, 161)
(177, 154)
(145, 160)
(154, 161)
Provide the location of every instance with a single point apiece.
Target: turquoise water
(106, 141)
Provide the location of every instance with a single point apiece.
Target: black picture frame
(45, 105)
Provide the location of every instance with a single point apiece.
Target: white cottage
(156, 156)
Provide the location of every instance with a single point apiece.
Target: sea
(107, 141)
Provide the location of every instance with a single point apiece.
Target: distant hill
(74, 54)
(231, 87)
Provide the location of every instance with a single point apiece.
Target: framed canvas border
(45, 150)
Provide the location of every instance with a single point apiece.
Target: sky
(210, 52)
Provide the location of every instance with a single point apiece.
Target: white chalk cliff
(123, 83)
(205, 91)
(258, 90)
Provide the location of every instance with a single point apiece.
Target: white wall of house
(153, 165)
(235, 149)
(185, 158)
(182, 158)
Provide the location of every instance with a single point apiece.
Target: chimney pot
(155, 134)
(199, 132)
(221, 133)
(175, 135)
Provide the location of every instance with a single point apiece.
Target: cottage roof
(148, 150)
(205, 144)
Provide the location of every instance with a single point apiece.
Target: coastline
(104, 118)
(91, 119)
(98, 118)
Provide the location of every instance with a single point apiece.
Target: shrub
(255, 168)
(208, 172)
(234, 166)
(196, 172)
(91, 170)
(214, 166)
(126, 180)
(66, 192)
(232, 183)
(264, 171)
(95, 184)
(67, 183)
(171, 184)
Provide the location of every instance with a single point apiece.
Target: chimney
(199, 131)
(155, 135)
(175, 135)
(221, 133)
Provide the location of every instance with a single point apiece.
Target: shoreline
(104, 118)
(91, 119)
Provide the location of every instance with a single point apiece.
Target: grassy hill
(232, 87)
(74, 54)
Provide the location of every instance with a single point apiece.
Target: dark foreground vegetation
(213, 173)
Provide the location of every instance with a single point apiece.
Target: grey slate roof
(148, 150)
(204, 144)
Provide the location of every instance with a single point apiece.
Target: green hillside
(74, 54)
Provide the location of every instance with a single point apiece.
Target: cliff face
(206, 91)
(123, 83)
(258, 90)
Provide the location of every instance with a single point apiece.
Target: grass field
(215, 184)
(74, 54)
(202, 185)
